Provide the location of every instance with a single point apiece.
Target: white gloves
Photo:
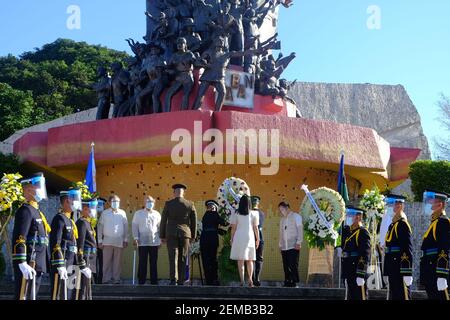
(442, 284)
(28, 272)
(63, 275)
(87, 272)
(408, 280)
(360, 282)
(339, 252)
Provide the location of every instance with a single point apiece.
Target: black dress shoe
(172, 283)
(257, 283)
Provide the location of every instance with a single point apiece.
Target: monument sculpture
(193, 44)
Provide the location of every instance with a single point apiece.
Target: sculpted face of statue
(181, 44)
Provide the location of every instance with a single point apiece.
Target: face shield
(39, 186)
(93, 204)
(75, 200)
(389, 207)
(350, 215)
(100, 206)
(429, 199)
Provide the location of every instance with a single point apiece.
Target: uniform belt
(90, 250)
(350, 254)
(209, 230)
(392, 249)
(72, 249)
(38, 240)
(429, 252)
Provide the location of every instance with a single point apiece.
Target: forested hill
(49, 82)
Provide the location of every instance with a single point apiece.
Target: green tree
(16, 110)
(428, 174)
(8, 164)
(53, 81)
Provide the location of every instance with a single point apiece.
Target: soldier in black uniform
(87, 247)
(260, 250)
(434, 268)
(62, 248)
(355, 254)
(209, 241)
(30, 230)
(398, 258)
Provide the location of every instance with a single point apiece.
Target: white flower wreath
(230, 192)
(333, 206)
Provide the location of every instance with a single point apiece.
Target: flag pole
(341, 154)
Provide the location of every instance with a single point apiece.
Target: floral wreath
(230, 192)
(373, 202)
(228, 197)
(332, 206)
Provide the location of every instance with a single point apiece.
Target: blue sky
(331, 38)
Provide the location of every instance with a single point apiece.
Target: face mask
(93, 213)
(348, 221)
(428, 210)
(115, 205)
(149, 205)
(38, 197)
(100, 208)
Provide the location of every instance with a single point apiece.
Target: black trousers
(18, 284)
(258, 262)
(83, 293)
(98, 276)
(397, 289)
(209, 262)
(355, 292)
(432, 291)
(148, 254)
(290, 266)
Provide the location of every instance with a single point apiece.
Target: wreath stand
(198, 258)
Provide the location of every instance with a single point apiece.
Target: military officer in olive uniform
(434, 268)
(63, 247)
(178, 229)
(30, 240)
(398, 259)
(355, 254)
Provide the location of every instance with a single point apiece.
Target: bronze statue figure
(193, 39)
(154, 66)
(120, 89)
(182, 64)
(215, 62)
(103, 89)
(187, 34)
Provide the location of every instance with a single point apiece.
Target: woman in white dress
(244, 238)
